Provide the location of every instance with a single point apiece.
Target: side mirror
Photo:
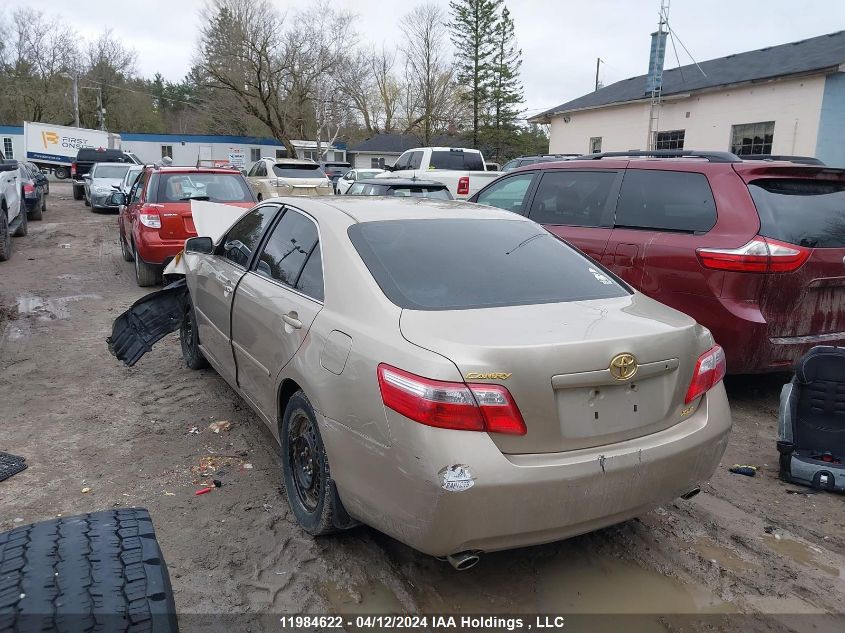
(117, 199)
(243, 172)
(201, 245)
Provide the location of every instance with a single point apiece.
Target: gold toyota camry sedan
(450, 374)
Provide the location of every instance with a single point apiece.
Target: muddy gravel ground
(139, 437)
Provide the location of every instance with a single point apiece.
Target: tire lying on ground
(93, 572)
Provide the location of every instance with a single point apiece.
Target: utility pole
(598, 61)
(75, 79)
(101, 111)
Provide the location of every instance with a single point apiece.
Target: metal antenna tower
(656, 72)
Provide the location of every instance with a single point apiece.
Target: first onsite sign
(59, 144)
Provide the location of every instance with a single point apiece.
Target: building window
(671, 139)
(8, 152)
(752, 138)
(377, 163)
(281, 153)
(167, 150)
(255, 154)
(595, 144)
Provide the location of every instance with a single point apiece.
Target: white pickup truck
(12, 215)
(461, 170)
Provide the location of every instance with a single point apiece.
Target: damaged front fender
(149, 319)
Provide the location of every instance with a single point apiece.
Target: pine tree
(505, 93)
(473, 29)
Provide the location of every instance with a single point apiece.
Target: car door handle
(291, 320)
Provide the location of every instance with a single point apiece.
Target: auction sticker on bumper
(456, 478)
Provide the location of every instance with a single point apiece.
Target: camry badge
(474, 375)
(623, 366)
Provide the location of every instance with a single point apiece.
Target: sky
(560, 39)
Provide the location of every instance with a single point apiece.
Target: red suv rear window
(801, 211)
(213, 186)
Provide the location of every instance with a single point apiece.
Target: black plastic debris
(11, 465)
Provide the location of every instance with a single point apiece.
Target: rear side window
(454, 264)
(242, 239)
(801, 211)
(666, 201)
(575, 198)
(461, 161)
(287, 249)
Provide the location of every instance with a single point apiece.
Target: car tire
(78, 569)
(37, 211)
(44, 203)
(305, 468)
(23, 227)
(5, 237)
(124, 249)
(88, 202)
(146, 274)
(78, 193)
(190, 341)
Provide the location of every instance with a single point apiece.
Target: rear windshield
(109, 171)
(438, 193)
(215, 187)
(293, 170)
(461, 161)
(454, 264)
(801, 211)
(101, 156)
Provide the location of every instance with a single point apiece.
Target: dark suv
(753, 250)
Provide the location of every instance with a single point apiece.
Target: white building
(188, 149)
(784, 100)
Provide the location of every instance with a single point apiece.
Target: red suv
(156, 219)
(752, 249)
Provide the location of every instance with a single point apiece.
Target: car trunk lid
(177, 221)
(555, 358)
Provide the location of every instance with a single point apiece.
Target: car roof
(374, 208)
(173, 169)
(401, 182)
(112, 164)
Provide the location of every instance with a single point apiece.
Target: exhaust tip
(689, 495)
(463, 560)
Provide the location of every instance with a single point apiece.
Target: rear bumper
(152, 249)
(517, 500)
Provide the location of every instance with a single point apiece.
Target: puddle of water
(801, 553)
(723, 556)
(49, 309)
(374, 598)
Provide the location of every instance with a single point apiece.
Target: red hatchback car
(156, 219)
(754, 250)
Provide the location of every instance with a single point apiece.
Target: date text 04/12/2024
(423, 622)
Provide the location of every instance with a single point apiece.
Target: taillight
(73, 169)
(760, 255)
(27, 188)
(709, 370)
(450, 405)
(463, 186)
(151, 220)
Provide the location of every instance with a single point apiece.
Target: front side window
(454, 264)
(288, 248)
(574, 198)
(666, 200)
(415, 160)
(671, 139)
(167, 151)
(403, 161)
(801, 211)
(508, 193)
(242, 239)
(138, 188)
(752, 138)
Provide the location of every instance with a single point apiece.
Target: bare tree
(108, 66)
(429, 77)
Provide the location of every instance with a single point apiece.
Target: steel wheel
(305, 460)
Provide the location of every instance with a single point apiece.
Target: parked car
(87, 157)
(129, 179)
(34, 190)
(461, 170)
(101, 182)
(270, 177)
(12, 219)
(155, 218)
(753, 250)
(405, 187)
(452, 375)
(334, 170)
(344, 182)
(522, 161)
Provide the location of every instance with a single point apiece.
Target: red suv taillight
(73, 169)
(27, 188)
(709, 370)
(450, 405)
(463, 186)
(760, 255)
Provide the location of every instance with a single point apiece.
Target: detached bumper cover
(148, 320)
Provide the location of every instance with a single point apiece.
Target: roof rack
(802, 160)
(713, 157)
